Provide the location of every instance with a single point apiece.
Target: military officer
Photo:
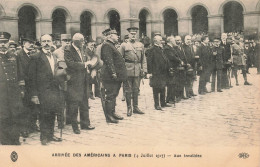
(12, 92)
(113, 73)
(133, 53)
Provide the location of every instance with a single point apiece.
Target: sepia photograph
(122, 83)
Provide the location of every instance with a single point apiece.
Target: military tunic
(11, 107)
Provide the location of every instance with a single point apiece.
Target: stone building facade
(34, 17)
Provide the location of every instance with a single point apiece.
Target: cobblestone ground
(230, 118)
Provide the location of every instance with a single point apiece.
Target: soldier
(190, 68)
(217, 62)
(78, 66)
(59, 54)
(157, 68)
(239, 62)
(31, 114)
(12, 92)
(113, 73)
(133, 53)
(44, 89)
(12, 46)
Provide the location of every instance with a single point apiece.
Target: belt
(132, 61)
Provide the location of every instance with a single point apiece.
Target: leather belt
(132, 61)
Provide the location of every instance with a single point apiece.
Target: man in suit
(174, 62)
(133, 53)
(59, 54)
(11, 94)
(217, 62)
(190, 69)
(77, 64)
(113, 73)
(31, 114)
(157, 68)
(226, 61)
(181, 75)
(44, 89)
(205, 60)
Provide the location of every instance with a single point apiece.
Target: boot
(128, 103)
(135, 104)
(109, 109)
(118, 117)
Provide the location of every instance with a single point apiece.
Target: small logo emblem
(243, 155)
(14, 156)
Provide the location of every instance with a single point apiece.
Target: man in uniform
(113, 73)
(12, 46)
(44, 89)
(31, 114)
(78, 66)
(133, 53)
(59, 54)
(11, 92)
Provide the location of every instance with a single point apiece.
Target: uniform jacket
(43, 83)
(237, 53)
(133, 53)
(217, 60)
(113, 63)
(10, 91)
(157, 65)
(77, 85)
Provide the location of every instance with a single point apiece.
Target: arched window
(170, 22)
(114, 20)
(85, 24)
(59, 21)
(199, 16)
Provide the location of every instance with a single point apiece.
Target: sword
(102, 94)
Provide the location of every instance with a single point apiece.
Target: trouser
(82, 106)
(180, 83)
(202, 81)
(189, 85)
(47, 119)
(111, 92)
(243, 72)
(132, 84)
(10, 129)
(96, 88)
(216, 73)
(225, 80)
(156, 93)
(170, 93)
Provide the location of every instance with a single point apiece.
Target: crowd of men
(41, 81)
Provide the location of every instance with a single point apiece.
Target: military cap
(217, 38)
(5, 36)
(106, 32)
(65, 36)
(133, 29)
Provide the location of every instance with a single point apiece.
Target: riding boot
(135, 104)
(116, 116)
(109, 110)
(128, 103)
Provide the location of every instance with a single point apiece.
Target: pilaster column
(215, 25)
(251, 24)
(10, 24)
(43, 26)
(184, 26)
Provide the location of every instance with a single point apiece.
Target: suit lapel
(46, 61)
(26, 56)
(77, 56)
